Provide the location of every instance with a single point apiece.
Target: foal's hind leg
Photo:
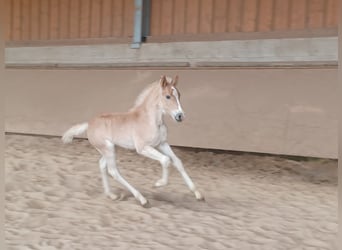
(166, 149)
(103, 169)
(114, 172)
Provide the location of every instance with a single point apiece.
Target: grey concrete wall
(288, 51)
(282, 111)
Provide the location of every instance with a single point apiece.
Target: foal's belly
(129, 144)
(108, 129)
(124, 134)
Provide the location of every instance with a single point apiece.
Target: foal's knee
(102, 163)
(165, 161)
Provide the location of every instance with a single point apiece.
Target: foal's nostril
(179, 117)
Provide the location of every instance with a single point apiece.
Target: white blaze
(175, 93)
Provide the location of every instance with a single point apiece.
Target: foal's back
(116, 128)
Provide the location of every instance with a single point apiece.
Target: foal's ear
(163, 81)
(175, 80)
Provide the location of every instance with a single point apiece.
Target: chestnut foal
(141, 128)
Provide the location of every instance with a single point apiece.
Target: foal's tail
(73, 131)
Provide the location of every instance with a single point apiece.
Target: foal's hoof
(112, 196)
(199, 196)
(160, 183)
(146, 204)
(201, 199)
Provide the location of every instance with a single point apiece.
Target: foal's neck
(150, 108)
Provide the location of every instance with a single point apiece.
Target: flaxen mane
(147, 91)
(142, 96)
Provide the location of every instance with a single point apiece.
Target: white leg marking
(166, 149)
(103, 169)
(164, 160)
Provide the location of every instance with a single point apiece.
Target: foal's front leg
(164, 160)
(166, 149)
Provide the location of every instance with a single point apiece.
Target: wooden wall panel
(54, 19)
(25, 19)
(206, 16)
(221, 16)
(81, 19)
(234, 15)
(281, 14)
(249, 15)
(316, 11)
(35, 20)
(29, 20)
(166, 21)
(128, 18)
(85, 18)
(106, 18)
(44, 20)
(74, 17)
(64, 19)
(331, 16)
(192, 16)
(95, 15)
(264, 22)
(16, 20)
(155, 18)
(8, 21)
(298, 14)
(179, 17)
(118, 18)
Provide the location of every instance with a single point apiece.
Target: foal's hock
(141, 128)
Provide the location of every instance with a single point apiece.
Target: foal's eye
(168, 97)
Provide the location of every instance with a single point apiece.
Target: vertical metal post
(138, 24)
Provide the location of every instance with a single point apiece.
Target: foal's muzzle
(179, 117)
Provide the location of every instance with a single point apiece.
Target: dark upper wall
(220, 16)
(68, 19)
(29, 20)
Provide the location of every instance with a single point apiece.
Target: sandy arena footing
(54, 200)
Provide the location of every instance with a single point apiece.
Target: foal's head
(170, 99)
